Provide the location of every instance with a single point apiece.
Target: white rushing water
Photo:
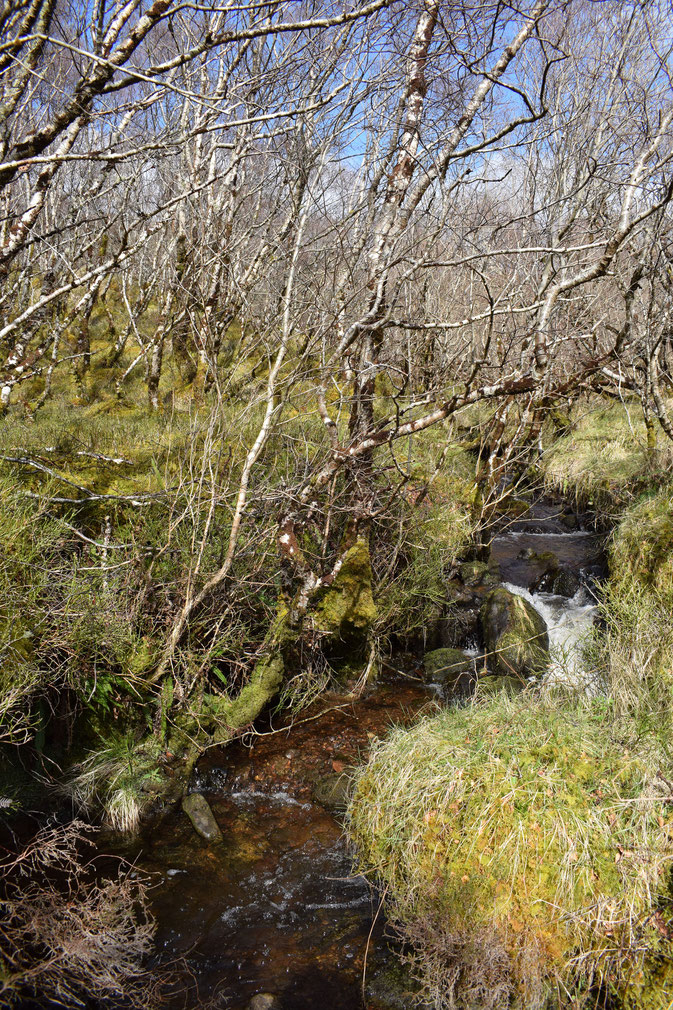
(568, 623)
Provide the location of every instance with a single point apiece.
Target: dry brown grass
(68, 938)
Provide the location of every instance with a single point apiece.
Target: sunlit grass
(524, 845)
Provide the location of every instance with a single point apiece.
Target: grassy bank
(608, 460)
(526, 846)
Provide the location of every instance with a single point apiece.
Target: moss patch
(347, 609)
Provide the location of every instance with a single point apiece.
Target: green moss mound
(524, 848)
(445, 666)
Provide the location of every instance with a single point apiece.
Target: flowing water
(276, 907)
(569, 621)
(524, 551)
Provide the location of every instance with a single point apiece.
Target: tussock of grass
(525, 847)
(636, 646)
(642, 547)
(118, 781)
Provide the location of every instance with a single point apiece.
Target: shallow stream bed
(276, 908)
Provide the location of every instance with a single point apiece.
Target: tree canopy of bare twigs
(370, 215)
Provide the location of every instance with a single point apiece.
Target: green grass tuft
(525, 846)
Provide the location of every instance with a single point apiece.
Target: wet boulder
(561, 581)
(515, 635)
(569, 520)
(514, 508)
(566, 583)
(203, 820)
(459, 622)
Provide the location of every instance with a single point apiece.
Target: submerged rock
(333, 791)
(515, 635)
(453, 669)
(203, 820)
(264, 1001)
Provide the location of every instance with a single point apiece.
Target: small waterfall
(568, 622)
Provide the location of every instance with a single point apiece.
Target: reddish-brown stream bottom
(276, 908)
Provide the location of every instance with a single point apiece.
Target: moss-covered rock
(523, 847)
(444, 666)
(347, 609)
(513, 507)
(515, 635)
(472, 573)
(333, 791)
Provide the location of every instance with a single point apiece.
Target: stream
(276, 908)
(520, 553)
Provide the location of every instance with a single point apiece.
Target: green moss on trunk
(235, 713)
(347, 609)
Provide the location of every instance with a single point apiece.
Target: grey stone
(203, 820)
(264, 1001)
